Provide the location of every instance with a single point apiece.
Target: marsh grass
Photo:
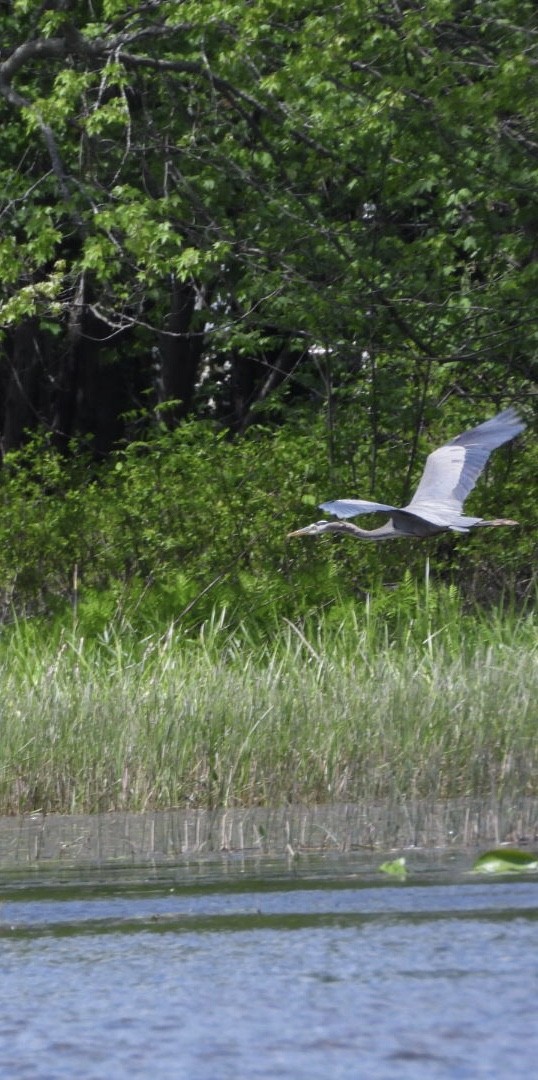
(424, 701)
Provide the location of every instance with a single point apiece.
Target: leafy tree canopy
(215, 202)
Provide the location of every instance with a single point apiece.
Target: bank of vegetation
(423, 701)
(236, 281)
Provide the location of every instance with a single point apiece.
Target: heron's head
(314, 529)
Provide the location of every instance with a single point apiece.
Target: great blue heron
(450, 474)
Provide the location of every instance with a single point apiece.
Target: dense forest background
(254, 256)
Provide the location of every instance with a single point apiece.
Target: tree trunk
(179, 355)
(21, 384)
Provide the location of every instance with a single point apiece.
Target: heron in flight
(450, 474)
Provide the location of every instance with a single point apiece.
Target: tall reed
(374, 704)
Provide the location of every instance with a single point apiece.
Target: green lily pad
(396, 867)
(505, 861)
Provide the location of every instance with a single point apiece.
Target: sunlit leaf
(395, 867)
(505, 861)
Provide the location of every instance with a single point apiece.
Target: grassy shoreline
(436, 705)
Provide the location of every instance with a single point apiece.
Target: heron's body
(450, 474)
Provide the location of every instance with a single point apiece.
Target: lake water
(301, 968)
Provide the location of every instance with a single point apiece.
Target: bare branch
(40, 48)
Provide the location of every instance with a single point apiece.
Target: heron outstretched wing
(451, 471)
(348, 508)
(450, 474)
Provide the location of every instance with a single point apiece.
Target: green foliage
(356, 244)
(183, 521)
(382, 204)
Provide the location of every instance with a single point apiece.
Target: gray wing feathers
(450, 474)
(348, 508)
(452, 471)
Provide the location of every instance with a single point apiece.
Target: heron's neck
(385, 532)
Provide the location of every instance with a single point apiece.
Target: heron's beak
(299, 532)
